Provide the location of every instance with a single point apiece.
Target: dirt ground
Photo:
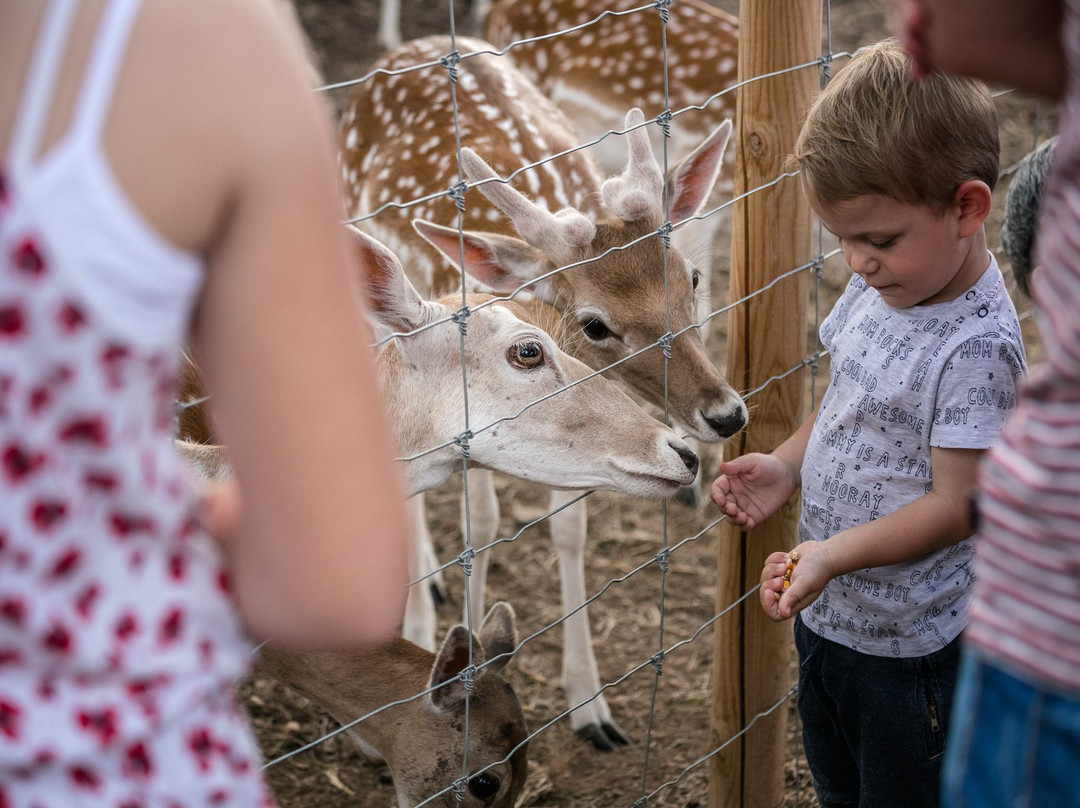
(565, 771)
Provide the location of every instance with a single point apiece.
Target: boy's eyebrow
(867, 235)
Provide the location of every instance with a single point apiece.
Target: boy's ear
(973, 200)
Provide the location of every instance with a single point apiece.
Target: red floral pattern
(118, 643)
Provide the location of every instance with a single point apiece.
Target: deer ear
(502, 263)
(394, 301)
(692, 179)
(498, 635)
(447, 691)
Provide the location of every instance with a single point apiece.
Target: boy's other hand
(808, 579)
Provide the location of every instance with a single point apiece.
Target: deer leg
(420, 619)
(580, 675)
(483, 516)
(478, 12)
(389, 34)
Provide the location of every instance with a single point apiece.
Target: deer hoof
(606, 736)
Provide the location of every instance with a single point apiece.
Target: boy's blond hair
(876, 130)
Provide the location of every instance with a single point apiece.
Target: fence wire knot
(665, 343)
(462, 442)
(465, 559)
(664, 120)
(662, 6)
(467, 675)
(459, 787)
(662, 559)
(657, 661)
(814, 367)
(665, 234)
(457, 195)
(818, 265)
(826, 67)
(450, 62)
(461, 317)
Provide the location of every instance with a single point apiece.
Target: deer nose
(726, 425)
(689, 459)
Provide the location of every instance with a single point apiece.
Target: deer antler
(636, 193)
(561, 235)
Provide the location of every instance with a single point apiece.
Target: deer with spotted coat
(629, 301)
(605, 64)
(595, 73)
(511, 361)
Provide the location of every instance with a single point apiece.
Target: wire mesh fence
(648, 565)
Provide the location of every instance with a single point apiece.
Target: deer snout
(689, 459)
(727, 424)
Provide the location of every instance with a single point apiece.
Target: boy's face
(908, 253)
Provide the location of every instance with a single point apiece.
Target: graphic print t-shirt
(903, 380)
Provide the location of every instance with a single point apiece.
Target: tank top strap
(106, 57)
(37, 93)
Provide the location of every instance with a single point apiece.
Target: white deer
(398, 143)
(591, 434)
(584, 433)
(421, 737)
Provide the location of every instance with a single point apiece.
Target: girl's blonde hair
(876, 130)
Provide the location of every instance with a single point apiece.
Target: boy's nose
(860, 261)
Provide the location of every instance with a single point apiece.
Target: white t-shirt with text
(903, 380)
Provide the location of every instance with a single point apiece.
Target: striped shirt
(1026, 611)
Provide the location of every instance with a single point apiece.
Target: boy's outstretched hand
(750, 488)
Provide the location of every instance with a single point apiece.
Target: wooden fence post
(767, 336)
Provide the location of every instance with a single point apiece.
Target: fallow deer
(591, 435)
(421, 737)
(586, 433)
(600, 65)
(597, 72)
(631, 301)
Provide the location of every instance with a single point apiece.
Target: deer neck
(351, 684)
(413, 402)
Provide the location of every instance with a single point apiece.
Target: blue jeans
(873, 727)
(1011, 744)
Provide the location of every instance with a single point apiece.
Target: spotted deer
(596, 72)
(588, 434)
(630, 303)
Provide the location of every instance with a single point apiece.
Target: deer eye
(484, 785)
(595, 329)
(528, 354)
(695, 278)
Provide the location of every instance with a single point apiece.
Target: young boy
(925, 355)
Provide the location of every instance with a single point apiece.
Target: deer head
(422, 739)
(623, 300)
(591, 435)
